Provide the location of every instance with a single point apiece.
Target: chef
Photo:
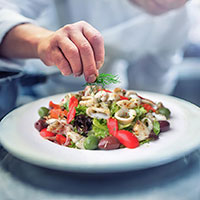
(140, 37)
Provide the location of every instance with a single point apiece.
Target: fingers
(72, 55)
(61, 62)
(90, 46)
(97, 43)
(87, 56)
(76, 48)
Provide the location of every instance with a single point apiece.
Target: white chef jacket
(136, 42)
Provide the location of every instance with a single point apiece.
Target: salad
(98, 118)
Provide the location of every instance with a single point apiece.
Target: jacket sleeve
(15, 12)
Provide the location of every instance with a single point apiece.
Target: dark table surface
(178, 180)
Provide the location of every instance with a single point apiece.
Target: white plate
(20, 138)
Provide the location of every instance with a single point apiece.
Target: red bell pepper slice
(44, 133)
(53, 105)
(148, 107)
(123, 98)
(127, 138)
(71, 114)
(105, 90)
(60, 139)
(56, 113)
(112, 125)
(73, 103)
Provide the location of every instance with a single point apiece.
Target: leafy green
(145, 141)
(100, 133)
(72, 145)
(164, 111)
(104, 79)
(140, 112)
(124, 126)
(156, 127)
(43, 111)
(81, 110)
(100, 123)
(66, 105)
(100, 128)
(114, 108)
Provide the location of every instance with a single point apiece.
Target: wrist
(22, 41)
(38, 34)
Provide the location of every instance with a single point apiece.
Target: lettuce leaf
(100, 128)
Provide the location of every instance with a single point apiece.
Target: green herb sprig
(104, 80)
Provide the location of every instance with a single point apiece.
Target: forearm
(75, 48)
(22, 41)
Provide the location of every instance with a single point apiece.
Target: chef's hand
(157, 7)
(75, 48)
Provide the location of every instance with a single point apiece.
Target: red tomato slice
(60, 139)
(127, 138)
(44, 133)
(148, 107)
(112, 125)
(123, 98)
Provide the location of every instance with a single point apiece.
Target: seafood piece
(59, 127)
(80, 143)
(159, 117)
(149, 102)
(91, 90)
(113, 97)
(148, 123)
(132, 103)
(87, 101)
(98, 113)
(141, 131)
(101, 95)
(131, 94)
(125, 116)
(153, 116)
(77, 139)
(118, 91)
(66, 98)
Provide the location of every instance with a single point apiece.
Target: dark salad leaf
(83, 124)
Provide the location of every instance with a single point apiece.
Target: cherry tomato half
(127, 138)
(44, 133)
(60, 139)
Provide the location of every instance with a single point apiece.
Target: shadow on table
(104, 183)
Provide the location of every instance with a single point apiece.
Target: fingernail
(77, 74)
(91, 78)
(99, 64)
(66, 73)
